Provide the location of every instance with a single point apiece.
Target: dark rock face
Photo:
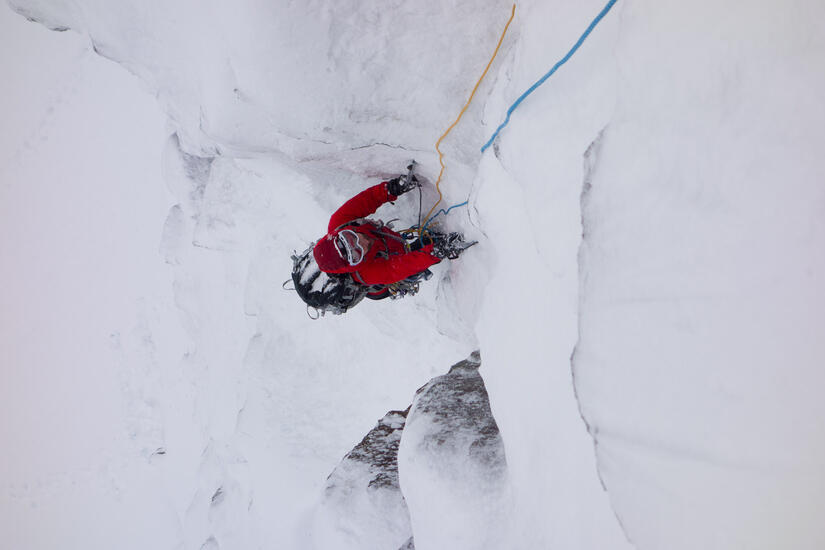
(362, 505)
(377, 453)
(457, 436)
(453, 465)
(458, 407)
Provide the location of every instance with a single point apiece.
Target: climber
(364, 257)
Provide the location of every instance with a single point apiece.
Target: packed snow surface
(647, 292)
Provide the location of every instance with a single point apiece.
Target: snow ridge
(36, 16)
(590, 161)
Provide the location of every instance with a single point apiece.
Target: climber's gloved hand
(400, 185)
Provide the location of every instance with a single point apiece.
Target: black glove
(400, 185)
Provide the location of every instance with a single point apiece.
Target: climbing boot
(450, 246)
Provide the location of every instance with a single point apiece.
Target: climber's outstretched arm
(361, 205)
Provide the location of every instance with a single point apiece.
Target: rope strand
(463, 109)
(549, 73)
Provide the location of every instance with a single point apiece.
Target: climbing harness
(337, 293)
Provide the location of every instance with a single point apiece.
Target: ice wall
(654, 208)
(228, 422)
(689, 133)
(528, 204)
(307, 79)
(699, 358)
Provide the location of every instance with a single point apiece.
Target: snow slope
(86, 309)
(646, 284)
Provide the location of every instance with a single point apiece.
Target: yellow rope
(438, 143)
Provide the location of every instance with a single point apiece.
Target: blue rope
(563, 60)
(529, 91)
(442, 211)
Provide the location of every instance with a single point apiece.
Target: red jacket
(387, 260)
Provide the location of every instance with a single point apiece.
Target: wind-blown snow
(655, 299)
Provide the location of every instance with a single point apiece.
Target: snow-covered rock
(362, 506)
(452, 463)
(684, 140)
(452, 456)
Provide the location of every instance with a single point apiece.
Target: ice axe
(409, 176)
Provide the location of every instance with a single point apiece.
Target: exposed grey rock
(458, 407)
(456, 435)
(362, 505)
(377, 453)
(452, 462)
